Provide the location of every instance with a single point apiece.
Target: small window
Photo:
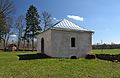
(72, 42)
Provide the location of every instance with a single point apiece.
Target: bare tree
(46, 19)
(7, 7)
(6, 11)
(20, 24)
(7, 31)
(3, 26)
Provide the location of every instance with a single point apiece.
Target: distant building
(65, 39)
(12, 47)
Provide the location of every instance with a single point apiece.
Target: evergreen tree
(32, 22)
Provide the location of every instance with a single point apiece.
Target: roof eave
(72, 30)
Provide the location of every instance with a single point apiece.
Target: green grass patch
(106, 51)
(12, 67)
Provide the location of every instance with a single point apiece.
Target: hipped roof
(68, 25)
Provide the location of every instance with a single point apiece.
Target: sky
(102, 16)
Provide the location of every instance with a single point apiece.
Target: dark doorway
(42, 45)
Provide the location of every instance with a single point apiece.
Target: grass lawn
(12, 67)
(107, 51)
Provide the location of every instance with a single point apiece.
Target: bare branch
(7, 7)
(46, 20)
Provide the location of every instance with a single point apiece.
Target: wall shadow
(33, 56)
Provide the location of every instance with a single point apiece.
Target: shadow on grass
(33, 56)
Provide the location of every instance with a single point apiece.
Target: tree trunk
(33, 41)
(4, 42)
(7, 40)
(33, 44)
(18, 45)
(23, 45)
(28, 45)
(4, 45)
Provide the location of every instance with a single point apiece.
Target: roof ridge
(57, 23)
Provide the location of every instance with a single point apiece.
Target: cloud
(55, 19)
(78, 18)
(13, 35)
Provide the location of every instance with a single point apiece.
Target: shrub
(109, 57)
(90, 56)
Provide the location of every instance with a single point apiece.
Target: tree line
(27, 26)
(106, 46)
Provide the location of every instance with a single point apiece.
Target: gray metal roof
(65, 24)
